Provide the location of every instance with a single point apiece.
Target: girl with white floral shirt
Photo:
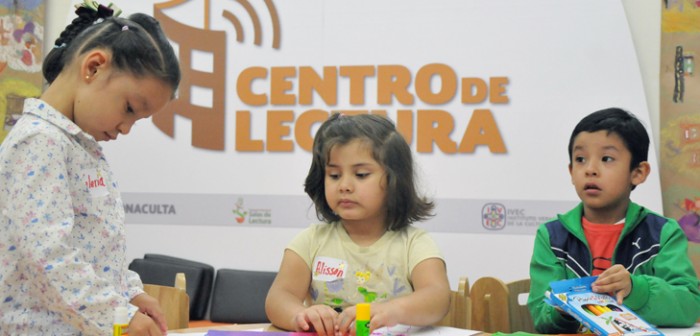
(62, 239)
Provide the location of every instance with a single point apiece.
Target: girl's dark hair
(137, 44)
(403, 204)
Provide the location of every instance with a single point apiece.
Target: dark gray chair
(158, 269)
(239, 296)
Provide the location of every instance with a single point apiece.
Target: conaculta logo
(396, 87)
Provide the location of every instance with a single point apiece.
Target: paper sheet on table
(202, 333)
(405, 330)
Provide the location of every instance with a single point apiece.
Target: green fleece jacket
(653, 248)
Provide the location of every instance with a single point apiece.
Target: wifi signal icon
(257, 30)
(208, 122)
(231, 17)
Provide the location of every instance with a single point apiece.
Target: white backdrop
(560, 65)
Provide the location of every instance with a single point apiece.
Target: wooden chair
(459, 315)
(174, 301)
(159, 269)
(489, 297)
(520, 318)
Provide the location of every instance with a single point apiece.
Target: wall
(644, 18)
(644, 21)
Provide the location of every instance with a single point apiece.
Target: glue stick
(362, 317)
(121, 321)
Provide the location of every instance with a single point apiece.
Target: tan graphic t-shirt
(344, 274)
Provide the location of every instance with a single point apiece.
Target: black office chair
(158, 269)
(239, 296)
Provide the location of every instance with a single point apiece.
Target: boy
(639, 257)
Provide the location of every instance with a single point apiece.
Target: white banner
(486, 92)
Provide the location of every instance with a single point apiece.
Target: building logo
(208, 123)
(286, 97)
(493, 216)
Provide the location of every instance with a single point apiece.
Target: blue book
(600, 313)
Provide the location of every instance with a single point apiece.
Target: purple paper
(257, 333)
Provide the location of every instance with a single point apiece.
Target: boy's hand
(319, 318)
(616, 281)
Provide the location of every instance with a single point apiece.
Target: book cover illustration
(598, 312)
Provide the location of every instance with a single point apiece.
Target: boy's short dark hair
(618, 121)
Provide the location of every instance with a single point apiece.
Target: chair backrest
(158, 269)
(489, 298)
(174, 302)
(239, 296)
(520, 318)
(459, 315)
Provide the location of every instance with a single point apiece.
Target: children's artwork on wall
(21, 55)
(679, 120)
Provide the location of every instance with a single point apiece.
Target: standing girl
(361, 181)
(62, 239)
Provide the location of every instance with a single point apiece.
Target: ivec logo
(493, 216)
(208, 123)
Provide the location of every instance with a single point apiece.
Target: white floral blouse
(63, 267)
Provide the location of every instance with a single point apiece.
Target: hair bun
(97, 10)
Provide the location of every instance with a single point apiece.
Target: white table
(430, 331)
(394, 331)
(681, 331)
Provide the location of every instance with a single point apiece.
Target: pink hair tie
(125, 28)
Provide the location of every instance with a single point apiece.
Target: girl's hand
(383, 314)
(141, 324)
(319, 318)
(345, 322)
(616, 281)
(149, 305)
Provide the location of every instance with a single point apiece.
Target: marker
(594, 309)
(613, 307)
(121, 321)
(362, 317)
(587, 310)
